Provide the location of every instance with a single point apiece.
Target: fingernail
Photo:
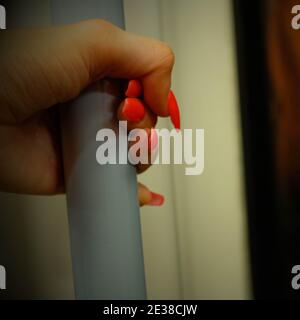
(156, 199)
(153, 141)
(133, 110)
(174, 110)
(134, 89)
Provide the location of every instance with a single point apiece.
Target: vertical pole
(102, 203)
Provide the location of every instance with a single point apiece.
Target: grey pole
(102, 203)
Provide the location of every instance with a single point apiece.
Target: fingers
(147, 197)
(38, 69)
(134, 109)
(137, 114)
(45, 66)
(152, 143)
(134, 89)
(129, 56)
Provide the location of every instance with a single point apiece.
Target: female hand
(40, 68)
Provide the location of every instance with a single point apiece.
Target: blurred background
(199, 245)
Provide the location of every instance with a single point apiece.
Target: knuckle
(94, 29)
(95, 24)
(167, 56)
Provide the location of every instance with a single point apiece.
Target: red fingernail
(153, 141)
(134, 89)
(156, 199)
(133, 110)
(174, 110)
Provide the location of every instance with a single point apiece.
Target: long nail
(133, 110)
(174, 110)
(156, 199)
(134, 89)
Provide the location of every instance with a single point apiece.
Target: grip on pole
(103, 212)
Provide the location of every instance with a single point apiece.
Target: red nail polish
(174, 110)
(156, 199)
(134, 89)
(153, 140)
(133, 110)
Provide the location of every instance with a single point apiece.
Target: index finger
(131, 56)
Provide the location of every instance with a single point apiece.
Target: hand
(40, 68)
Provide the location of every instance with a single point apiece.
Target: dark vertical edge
(258, 151)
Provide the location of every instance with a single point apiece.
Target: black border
(267, 269)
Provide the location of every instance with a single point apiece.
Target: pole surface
(103, 212)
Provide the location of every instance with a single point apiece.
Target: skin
(41, 68)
